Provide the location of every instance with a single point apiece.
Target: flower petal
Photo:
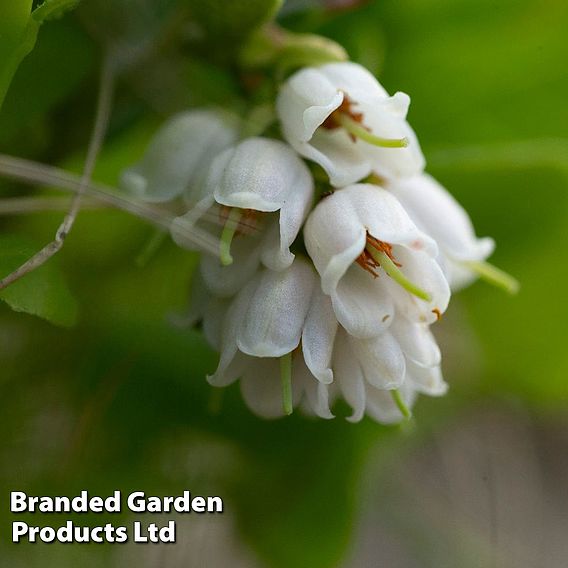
(226, 281)
(229, 369)
(417, 342)
(213, 320)
(362, 305)
(349, 377)
(335, 152)
(355, 80)
(386, 119)
(427, 380)
(296, 204)
(261, 388)
(272, 324)
(260, 174)
(315, 395)
(335, 232)
(231, 327)
(304, 102)
(318, 337)
(426, 273)
(179, 155)
(381, 360)
(381, 406)
(438, 213)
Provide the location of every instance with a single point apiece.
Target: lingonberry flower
(437, 213)
(373, 259)
(176, 162)
(273, 341)
(259, 193)
(339, 116)
(382, 376)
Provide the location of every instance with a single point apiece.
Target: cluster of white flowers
(344, 308)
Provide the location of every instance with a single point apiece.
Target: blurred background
(107, 394)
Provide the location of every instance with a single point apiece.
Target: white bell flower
(281, 339)
(339, 116)
(260, 344)
(437, 213)
(176, 162)
(382, 376)
(262, 192)
(372, 258)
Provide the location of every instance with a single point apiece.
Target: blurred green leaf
(18, 33)
(43, 292)
(17, 38)
(52, 9)
(61, 60)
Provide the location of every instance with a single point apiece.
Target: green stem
(150, 248)
(354, 128)
(396, 274)
(493, 275)
(229, 230)
(286, 379)
(404, 410)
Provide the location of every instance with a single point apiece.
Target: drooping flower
(339, 116)
(280, 338)
(277, 339)
(176, 162)
(373, 259)
(383, 375)
(436, 212)
(261, 191)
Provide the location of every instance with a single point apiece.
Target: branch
(41, 174)
(23, 205)
(104, 104)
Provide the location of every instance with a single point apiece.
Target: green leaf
(63, 56)
(52, 9)
(43, 292)
(18, 33)
(17, 38)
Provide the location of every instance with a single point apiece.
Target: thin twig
(104, 104)
(42, 174)
(24, 205)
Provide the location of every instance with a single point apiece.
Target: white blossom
(269, 188)
(437, 213)
(280, 315)
(264, 325)
(382, 376)
(358, 237)
(178, 157)
(339, 116)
